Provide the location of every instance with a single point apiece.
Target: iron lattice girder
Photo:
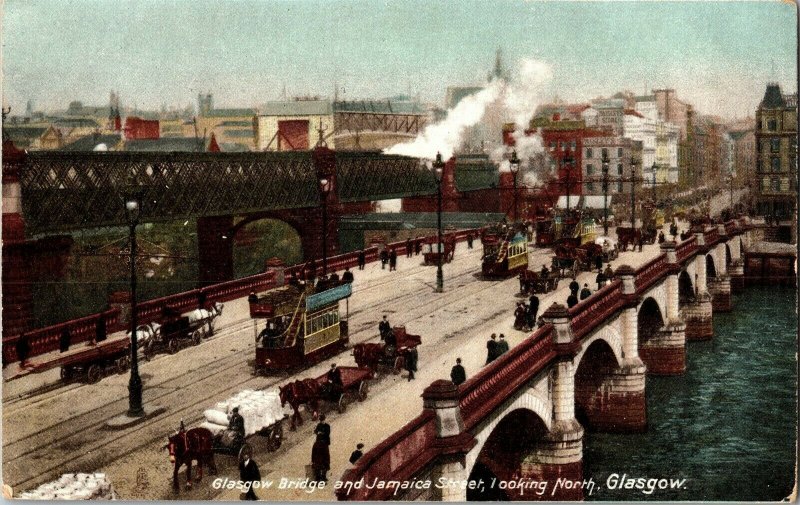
(370, 175)
(63, 191)
(379, 122)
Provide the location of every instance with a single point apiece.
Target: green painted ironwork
(364, 176)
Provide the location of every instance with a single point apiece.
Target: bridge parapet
(586, 316)
(686, 249)
(649, 273)
(481, 394)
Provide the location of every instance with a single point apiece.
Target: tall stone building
(776, 153)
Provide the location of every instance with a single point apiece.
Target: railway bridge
(47, 195)
(522, 418)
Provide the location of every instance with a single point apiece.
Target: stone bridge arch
(711, 269)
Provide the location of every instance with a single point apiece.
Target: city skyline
(714, 54)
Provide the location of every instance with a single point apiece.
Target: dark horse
(301, 392)
(185, 446)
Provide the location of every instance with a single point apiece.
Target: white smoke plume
(498, 103)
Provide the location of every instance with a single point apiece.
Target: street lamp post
(325, 188)
(567, 163)
(135, 408)
(515, 162)
(633, 194)
(438, 169)
(605, 193)
(655, 167)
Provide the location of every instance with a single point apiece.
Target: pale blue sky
(717, 55)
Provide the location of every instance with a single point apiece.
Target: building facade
(776, 153)
(620, 152)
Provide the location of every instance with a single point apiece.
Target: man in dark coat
(63, 343)
(100, 329)
(598, 262)
(574, 286)
(417, 248)
(411, 362)
(609, 273)
(356, 455)
(384, 327)
(585, 292)
(384, 259)
(502, 346)
(491, 349)
(249, 474)
(252, 297)
(533, 310)
(334, 278)
(572, 300)
(362, 259)
(347, 276)
(393, 260)
(320, 452)
(236, 423)
(600, 279)
(457, 374)
(409, 248)
(469, 241)
(22, 349)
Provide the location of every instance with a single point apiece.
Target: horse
(185, 446)
(207, 315)
(368, 355)
(301, 392)
(146, 332)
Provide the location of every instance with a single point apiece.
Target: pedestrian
(520, 316)
(100, 329)
(502, 346)
(362, 259)
(393, 260)
(533, 308)
(661, 238)
(574, 286)
(411, 362)
(585, 292)
(545, 273)
(320, 452)
(640, 241)
(252, 298)
(22, 349)
(384, 327)
(249, 474)
(417, 247)
(469, 241)
(63, 343)
(409, 248)
(384, 259)
(491, 348)
(600, 279)
(356, 455)
(457, 374)
(323, 431)
(347, 276)
(673, 230)
(598, 261)
(572, 300)
(609, 273)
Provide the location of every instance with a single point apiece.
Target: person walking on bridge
(502, 346)
(585, 292)
(362, 259)
(384, 259)
(491, 349)
(457, 374)
(572, 300)
(533, 311)
(574, 286)
(393, 260)
(409, 248)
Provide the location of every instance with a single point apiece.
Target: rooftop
(90, 142)
(166, 145)
(230, 113)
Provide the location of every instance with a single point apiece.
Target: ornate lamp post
(438, 170)
(324, 188)
(133, 209)
(515, 162)
(655, 167)
(605, 193)
(567, 163)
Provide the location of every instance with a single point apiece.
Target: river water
(728, 425)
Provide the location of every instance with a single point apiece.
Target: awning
(595, 202)
(573, 201)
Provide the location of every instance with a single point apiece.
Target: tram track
(78, 425)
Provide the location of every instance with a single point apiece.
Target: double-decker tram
(303, 325)
(505, 252)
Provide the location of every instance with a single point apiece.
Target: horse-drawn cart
(334, 387)
(91, 362)
(177, 331)
(531, 282)
(387, 355)
(446, 250)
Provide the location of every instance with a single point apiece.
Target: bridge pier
(619, 405)
(215, 249)
(558, 456)
(698, 314)
(720, 289)
(736, 271)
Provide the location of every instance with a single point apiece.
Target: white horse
(207, 315)
(146, 332)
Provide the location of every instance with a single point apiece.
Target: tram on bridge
(571, 226)
(505, 251)
(303, 325)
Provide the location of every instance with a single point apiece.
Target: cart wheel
(398, 365)
(197, 336)
(122, 365)
(342, 405)
(94, 374)
(275, 437)
(66, 373)
(362, 391)
(172, 346)
(245, 449)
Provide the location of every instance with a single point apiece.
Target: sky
(716, 55)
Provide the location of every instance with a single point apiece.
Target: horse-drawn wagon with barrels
(303, 325)
(176, 331)
(391, 354)
(336, 386)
